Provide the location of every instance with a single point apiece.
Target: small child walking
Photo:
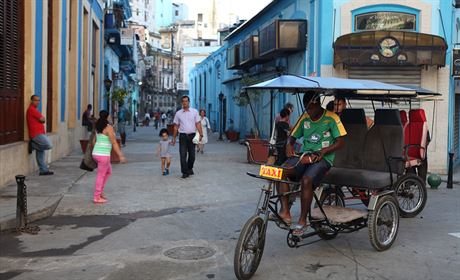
(163, 151)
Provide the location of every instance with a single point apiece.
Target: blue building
(341, 38)
(120, 55)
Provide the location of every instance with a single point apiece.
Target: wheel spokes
(386, 224)
(409, 196)
(250, 249)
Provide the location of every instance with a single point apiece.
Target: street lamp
(108, 84)
(221, 102)
(134, 115)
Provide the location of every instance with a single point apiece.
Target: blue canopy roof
(287, 82)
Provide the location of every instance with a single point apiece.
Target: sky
(243, 9)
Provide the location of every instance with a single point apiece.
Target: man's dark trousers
(186, 146)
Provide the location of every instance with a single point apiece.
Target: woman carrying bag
(105, 140)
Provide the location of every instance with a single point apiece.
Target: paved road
(164, 227)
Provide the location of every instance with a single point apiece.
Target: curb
(45, 212)
(42, 213)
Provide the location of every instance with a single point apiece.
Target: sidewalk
(43, 192)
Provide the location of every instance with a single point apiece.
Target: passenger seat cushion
(351, 155)
(384, 140)
(358, 178)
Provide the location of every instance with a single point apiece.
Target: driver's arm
(339, 143)
(290, 147)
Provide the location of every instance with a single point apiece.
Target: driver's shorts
(316, 170)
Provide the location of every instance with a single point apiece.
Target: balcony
(167, 70)
(127, 66)
(249, 52)
(282, 37)
(233, 58)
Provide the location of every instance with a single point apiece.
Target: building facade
(400, 42)
(53, 49)
(143, 13)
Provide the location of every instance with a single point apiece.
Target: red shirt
(33, 122)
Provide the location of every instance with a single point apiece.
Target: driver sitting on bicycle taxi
(322, 133)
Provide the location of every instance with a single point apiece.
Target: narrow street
(164, 227)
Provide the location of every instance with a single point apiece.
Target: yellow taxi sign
(271, 172)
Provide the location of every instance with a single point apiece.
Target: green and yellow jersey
(319, 134)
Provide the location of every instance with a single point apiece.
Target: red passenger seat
(415, 137)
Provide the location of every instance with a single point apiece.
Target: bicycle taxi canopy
(349, 88)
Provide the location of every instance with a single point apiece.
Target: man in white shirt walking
(187, 122)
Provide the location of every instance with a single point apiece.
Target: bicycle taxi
(373, 166)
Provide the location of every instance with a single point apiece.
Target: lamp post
(221, 103)
(108, 85)
(134, 115)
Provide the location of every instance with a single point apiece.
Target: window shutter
(11, 71)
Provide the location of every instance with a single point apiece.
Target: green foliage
(242, 97)
(118, 95)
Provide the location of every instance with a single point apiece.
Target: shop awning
(390, 47)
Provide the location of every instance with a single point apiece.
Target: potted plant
(257, 151)
(243, 97)
(118, 95)
(231, 134)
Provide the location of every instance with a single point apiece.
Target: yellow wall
(72, 66)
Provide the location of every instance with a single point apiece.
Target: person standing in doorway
(87, 118)
(37, 135)
(205, 125)
(105, 139)
(187, 122)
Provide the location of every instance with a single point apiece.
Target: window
(207, 44)
(385, 20)
(200, 17)
(137, 12)
(177, 13)
(11, 72)
(94, 43)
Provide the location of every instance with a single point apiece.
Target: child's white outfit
(164, 148)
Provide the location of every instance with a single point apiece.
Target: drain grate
(189, 253)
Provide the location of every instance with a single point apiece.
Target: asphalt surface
(164, 227)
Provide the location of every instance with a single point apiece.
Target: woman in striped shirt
(105, 140)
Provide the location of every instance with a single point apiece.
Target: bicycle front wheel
(249, 249)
